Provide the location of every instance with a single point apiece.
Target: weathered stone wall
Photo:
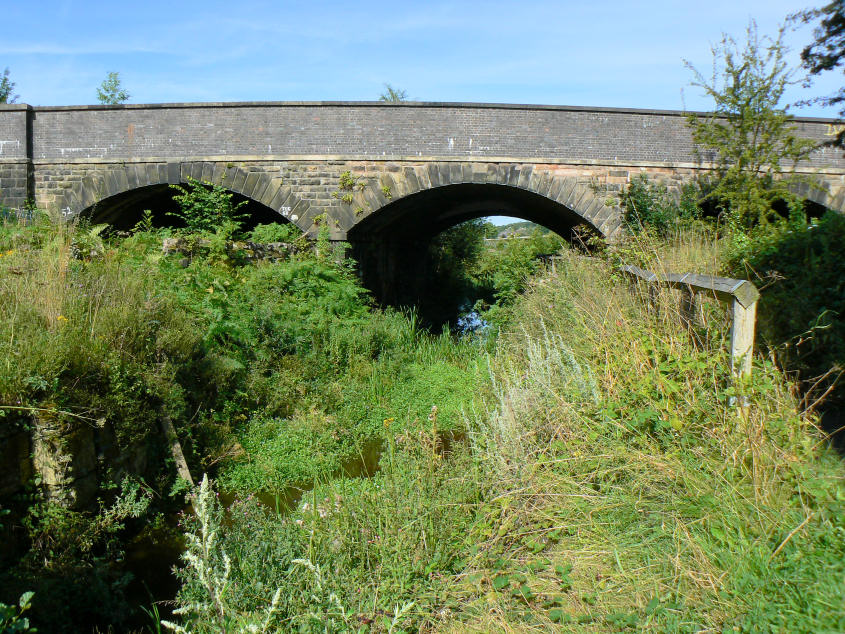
(68, 460)
(14, 186)
(15, 146)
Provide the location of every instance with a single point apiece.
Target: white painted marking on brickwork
(451, 143)
(80, 150)
(4, 143)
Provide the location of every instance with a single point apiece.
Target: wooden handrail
(740, 295)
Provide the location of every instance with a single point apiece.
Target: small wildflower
(61, 318)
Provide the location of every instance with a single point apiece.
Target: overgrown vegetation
(606, 483)
(650, 205)
(471, 275)
(801, 272)
(584, 468)
(274, 375)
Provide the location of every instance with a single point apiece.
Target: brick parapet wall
(372, 130)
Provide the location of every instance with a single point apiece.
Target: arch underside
(820, 195)
(105, 195)
(124, 210)
(429, 198)
(425, 198)
(423, 215)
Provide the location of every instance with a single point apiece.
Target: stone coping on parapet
(381, 104)
(361, 158)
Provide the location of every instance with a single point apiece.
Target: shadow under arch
(509, 185)
(426, 213)
(391, 246)
(124, 210)
(105, 194)
(819, 194)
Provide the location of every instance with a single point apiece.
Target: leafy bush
(275, 232)
(204, 207)
(650, 204)
(70, 565)
(11, 616)
(507, 267)
(802, 274)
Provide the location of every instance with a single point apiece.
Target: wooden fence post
(742, 337)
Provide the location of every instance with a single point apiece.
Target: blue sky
(604, 53)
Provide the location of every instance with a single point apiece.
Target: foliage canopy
(827, 51)
(7, 86)
(393, 95)
(749, 136)
(111, 92)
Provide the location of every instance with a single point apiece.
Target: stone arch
(392, 186)
(822, 194)
(262, 187)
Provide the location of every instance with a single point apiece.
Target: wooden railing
(740, 295)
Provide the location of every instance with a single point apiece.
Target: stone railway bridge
(419, 167)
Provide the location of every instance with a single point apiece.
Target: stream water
(153, 554)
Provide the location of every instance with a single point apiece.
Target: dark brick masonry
(290, 155)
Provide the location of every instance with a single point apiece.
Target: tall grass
(656, 505)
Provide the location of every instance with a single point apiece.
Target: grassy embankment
(605, 483)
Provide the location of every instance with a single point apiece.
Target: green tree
(827, 51)
(6, 88)
(393, 95)
(110, 92)
(749, 136)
